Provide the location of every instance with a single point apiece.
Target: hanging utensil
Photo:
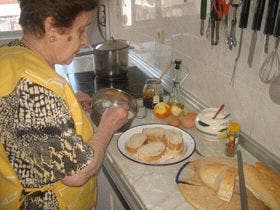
(270, 67)
(208, 30)
(219, 14)
(232, 36)
(225, 8)
(274, 90)
(203, 6)
(270, 21)
(257, 20)
(242, 24)
(213, 18)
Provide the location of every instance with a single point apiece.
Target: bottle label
(231, 145)
(156, 99)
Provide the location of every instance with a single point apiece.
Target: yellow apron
(17, 63)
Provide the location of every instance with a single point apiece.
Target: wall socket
(160, 36)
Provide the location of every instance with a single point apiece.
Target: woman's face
(67, 44)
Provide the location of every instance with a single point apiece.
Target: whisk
(270, 67)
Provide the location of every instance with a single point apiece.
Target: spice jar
(152, 93)
(233, 130)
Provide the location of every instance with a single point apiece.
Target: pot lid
(112, 44)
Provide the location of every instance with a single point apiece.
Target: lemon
(222, 134)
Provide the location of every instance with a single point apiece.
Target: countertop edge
(125, 189)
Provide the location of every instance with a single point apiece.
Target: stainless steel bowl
(110, 97)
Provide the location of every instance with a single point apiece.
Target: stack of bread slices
(153, 143)
(215, 185)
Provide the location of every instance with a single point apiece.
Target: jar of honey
(152, 93)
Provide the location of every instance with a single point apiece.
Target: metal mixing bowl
(110, 97)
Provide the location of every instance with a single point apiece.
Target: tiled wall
(210, 67)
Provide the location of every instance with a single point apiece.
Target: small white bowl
(205, 123)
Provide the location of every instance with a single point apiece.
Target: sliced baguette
(135, 142)
(174, 140)
(154, 133)
(225, 190)
(151, 152)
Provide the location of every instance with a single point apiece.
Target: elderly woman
(48, 153)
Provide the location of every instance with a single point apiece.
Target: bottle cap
(178, 63)
(234, 127)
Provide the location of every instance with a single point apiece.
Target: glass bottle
(175, 93)
(233, 130)
(152, 93)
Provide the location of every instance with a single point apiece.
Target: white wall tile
(210, 67)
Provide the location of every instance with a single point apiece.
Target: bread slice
(225, 190)
(135, 141)
(154, 133)
(212, 174)
(151, 152)
(262, 186)
(174, 139)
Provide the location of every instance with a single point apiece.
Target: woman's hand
(84, 99)
(113, 118)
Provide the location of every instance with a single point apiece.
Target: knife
(203, 7)
(242, 24)
(242, 186)
(270, 21)
(258, 15)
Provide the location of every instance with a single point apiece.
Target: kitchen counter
(154, 187)
(141, 186)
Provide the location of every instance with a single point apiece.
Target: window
(9, 17)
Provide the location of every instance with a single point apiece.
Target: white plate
(189, 144)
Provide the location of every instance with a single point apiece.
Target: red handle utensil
(219, 110)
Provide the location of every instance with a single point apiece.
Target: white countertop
(143, 186)
(154, 187)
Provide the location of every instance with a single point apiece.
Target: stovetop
(88, 82)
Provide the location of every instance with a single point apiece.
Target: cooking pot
(110, 97)
(111, 58)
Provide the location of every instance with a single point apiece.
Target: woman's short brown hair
(34, 12)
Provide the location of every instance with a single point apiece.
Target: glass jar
(233, 130)
(152, 93)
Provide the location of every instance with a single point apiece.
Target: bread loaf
(135, 141)
(151, 152)
(262, 186)
(268, 171)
